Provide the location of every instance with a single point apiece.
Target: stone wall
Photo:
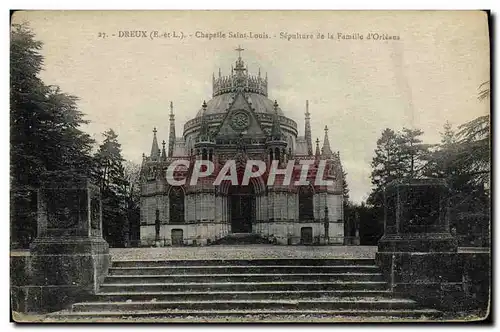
(276, 214)
(193, 234)
(285, 233)
(456, 283)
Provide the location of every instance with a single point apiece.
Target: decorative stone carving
(240, 120)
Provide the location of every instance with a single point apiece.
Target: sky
(428, 75)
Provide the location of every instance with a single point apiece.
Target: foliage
(45, 132)
(485, 91)
(132, 175)
(475, 141)
(345, 188)
(398, 155)
(109, 174)
(462, 158)
(413, 153)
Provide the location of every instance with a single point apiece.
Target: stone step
(245, 286)
(235, 269)
(152, 279)
(325, 304)
(372, 314)
(235, 295)
(243, 262)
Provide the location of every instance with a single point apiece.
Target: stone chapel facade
(240, 123)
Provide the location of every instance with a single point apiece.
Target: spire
(171, 136)
(204, 132)
(276, 130)
(326, 151)
(317, 148)
(308, 130)
(154, 147)
(163, 153)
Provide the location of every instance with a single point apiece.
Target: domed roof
(219, 104)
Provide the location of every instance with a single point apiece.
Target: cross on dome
(240, 66)
(239, 49)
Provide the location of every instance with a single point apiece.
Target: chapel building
(241, 123)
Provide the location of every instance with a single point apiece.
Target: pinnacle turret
(171, 136)
(163, 153)
(307, 130)
(276, 129)
(204, 130)
(317, 154)
(327, 150)
(154, 147)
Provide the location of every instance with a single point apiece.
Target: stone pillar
(69, 258)
(416, 217)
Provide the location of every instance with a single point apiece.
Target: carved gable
(240, 119)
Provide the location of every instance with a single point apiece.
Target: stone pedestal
(69, 258)
(418, 255)
(416, 218)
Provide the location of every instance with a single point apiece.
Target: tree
(132, 175)
(345, 188)
(413, 153)
(109, 174)
(386, 165)
(441, 159)
(485, 91)
(475, 139)
(45, 132)
(463, 159)
(448, 136)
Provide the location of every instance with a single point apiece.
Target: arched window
(306, 209)
(271, 156)
(204, 155)
(176, 204)
(211, 155)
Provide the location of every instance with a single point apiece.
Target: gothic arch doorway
(241, 202)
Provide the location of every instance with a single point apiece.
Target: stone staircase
(246, 288)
